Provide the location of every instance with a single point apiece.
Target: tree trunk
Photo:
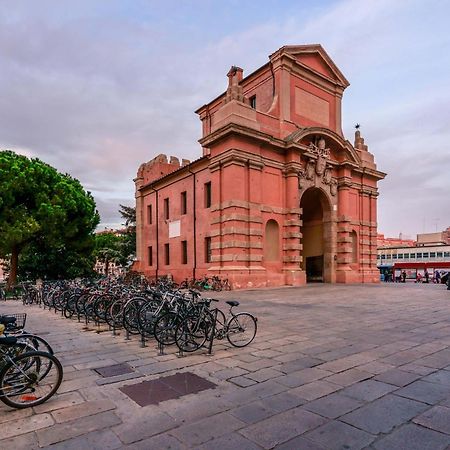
(13, 269)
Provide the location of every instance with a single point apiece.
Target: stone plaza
(331, 367)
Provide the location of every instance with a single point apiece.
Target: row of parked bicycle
(29, 371)
(162, 311)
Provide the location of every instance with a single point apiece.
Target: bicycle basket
(19, 324)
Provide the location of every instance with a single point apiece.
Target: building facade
(279, 196)
(430, 251)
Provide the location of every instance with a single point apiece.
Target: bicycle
(27, 377)
(239, 329)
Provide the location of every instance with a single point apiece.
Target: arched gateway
(278, 197)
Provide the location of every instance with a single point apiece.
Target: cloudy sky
(95, 87)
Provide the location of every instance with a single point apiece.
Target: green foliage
(128, 246)
(46, 216)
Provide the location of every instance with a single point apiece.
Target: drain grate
(115, 370)
(166, 388)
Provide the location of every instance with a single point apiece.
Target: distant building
(384, 242)
(279, 197)
(431, 251)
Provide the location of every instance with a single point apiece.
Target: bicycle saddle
(232, 303)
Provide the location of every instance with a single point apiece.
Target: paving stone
(316, 389)
(102, 439)
(241, 396)
(338, 435)
(383, 414)
(8, 414)
(298, 364)
(242, 381)
(299, 443)
(232, 441)
(231, 372)
(436, 418)
(422, 391)
(282, 427)
(263, 375)
(144, 424)
(83, 409)
(375, 367)
(25, 425)
(348, 377)
(333, 405)
(202, 431)
(368, 390)
(67, 430)
(23, 442)
(413, 437)
(440, 377)
(163, 441)
(397, 377)
(283, 401)
(252, 412)
(301, 377)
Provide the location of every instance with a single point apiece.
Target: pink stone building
(279, 196)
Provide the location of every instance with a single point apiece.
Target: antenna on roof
(357, 126)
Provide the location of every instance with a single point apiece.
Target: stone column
(292, 247)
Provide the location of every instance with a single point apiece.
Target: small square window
(425, 255)
(439, 254)
(413, 256)
(432, 254)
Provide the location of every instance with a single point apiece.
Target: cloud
(95, 88)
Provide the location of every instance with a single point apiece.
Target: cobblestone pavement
(332, 367)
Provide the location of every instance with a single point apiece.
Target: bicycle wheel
(191, 333)
(165, 328)
(241, 329)
(23, 383)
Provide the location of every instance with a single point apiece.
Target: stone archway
(317, 261)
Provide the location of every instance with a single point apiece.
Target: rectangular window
(413, 256)
(252, 100)
(406, 255)
(394, 256)
(166, 209)
(167, 254)
(432, 254)
(183, 252)
(149, 214)
(183, 206)
(425, 255)
(419, 255)
(388, 256)
(150, 256)
(208, 249)
(439, 254)
(446, 254)
(400, 256)
(208, 194)
(383, 256)
(378, 256)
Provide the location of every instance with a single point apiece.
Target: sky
(96, 87)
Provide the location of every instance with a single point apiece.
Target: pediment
(317, 59)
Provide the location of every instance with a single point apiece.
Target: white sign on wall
(174, 229)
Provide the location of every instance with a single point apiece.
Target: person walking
(427, 276)
(404, 276)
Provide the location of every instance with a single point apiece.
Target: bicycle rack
(127, 335)
(160, 349)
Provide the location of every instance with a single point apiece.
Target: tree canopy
(43, 212)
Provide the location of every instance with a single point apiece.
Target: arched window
(354, 238)
(272, 241)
